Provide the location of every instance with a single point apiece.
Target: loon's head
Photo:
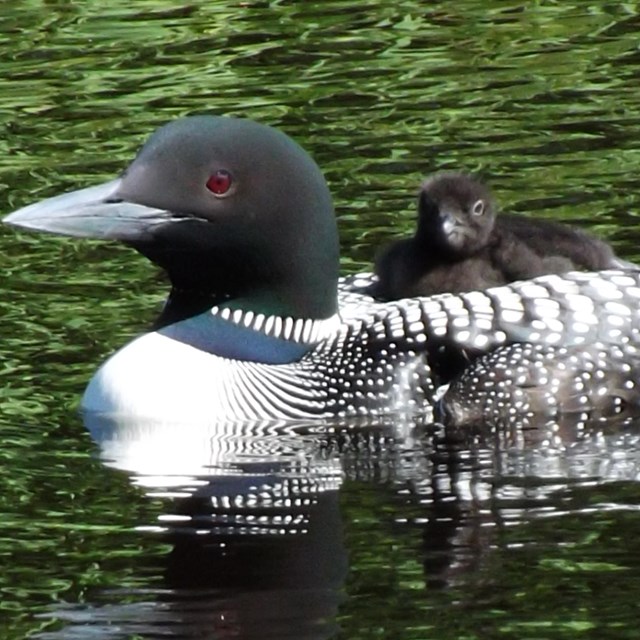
(456, 214)
(231, 209)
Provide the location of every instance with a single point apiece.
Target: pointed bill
(94, 212)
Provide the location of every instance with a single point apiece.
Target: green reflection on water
(66, 529)
(540, 97)
(543, 576)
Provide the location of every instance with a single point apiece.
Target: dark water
(307, 531)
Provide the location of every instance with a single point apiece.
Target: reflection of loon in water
(256, 521)
(252, 514)
(461, 245)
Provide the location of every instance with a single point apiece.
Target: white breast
(158, 377)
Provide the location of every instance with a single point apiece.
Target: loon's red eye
(219, 182)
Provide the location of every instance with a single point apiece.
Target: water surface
(307, 531)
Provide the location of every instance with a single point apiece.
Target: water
(307, 531)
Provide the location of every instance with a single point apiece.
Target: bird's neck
(304, 292)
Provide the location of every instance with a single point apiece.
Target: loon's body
(461, 245)
(371, 359)
(256, 326)
(529, 385)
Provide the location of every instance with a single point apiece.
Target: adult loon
(460, 244)
(241, 219)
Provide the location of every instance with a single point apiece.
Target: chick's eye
(219, 182)
(478, 208)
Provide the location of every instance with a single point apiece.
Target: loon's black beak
(94, 212)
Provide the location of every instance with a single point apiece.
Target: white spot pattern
(374, 354)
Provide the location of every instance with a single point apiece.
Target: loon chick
(255, 328)
(460, 244)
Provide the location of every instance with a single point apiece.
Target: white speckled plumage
(537, 383)
(384, 357)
